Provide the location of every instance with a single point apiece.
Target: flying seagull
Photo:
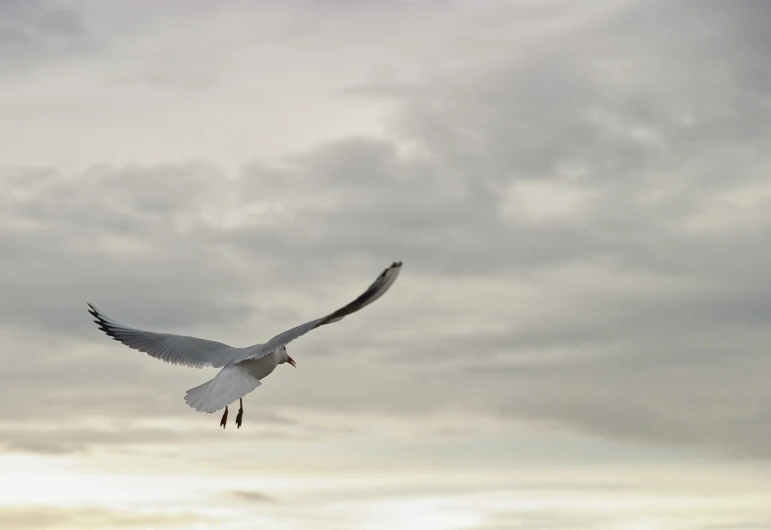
(242, 369)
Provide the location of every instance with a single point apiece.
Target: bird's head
(285, 358)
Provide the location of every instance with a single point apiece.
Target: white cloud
(543, 201)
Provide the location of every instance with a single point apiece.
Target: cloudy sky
(579, 191)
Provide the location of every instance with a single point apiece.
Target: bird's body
(242, 369)
(261, 368)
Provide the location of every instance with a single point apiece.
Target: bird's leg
(224, 419)
(240, 415)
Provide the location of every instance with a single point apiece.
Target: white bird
(242, 368)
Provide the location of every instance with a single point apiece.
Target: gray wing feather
(174, 349)
(197, 353)
(377, 289)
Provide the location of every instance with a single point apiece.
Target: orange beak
(291, 361)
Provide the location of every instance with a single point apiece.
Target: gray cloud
(637, 310)
(251, 497)
(35, 33)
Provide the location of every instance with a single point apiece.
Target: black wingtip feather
(102, 323)
(364, 299)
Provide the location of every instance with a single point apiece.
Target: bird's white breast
(261, 368)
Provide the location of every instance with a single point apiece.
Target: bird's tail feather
(231, 383)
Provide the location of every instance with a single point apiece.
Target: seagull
(242, 369)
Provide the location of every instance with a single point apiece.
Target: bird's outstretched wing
(378, 288)
(197, 353)
(174, 349)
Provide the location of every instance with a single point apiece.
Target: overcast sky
(580, 194)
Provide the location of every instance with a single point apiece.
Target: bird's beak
(291, 361)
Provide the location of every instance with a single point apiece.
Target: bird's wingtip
(92, 309)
